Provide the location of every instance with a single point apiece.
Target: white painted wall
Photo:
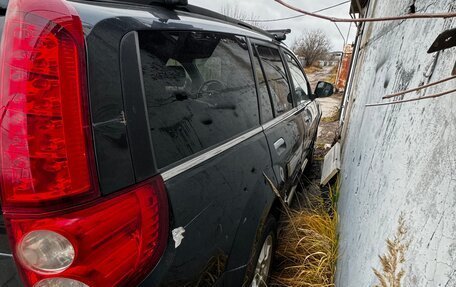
(400, 158)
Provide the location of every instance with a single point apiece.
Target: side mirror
(324, 90)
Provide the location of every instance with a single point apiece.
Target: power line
(419, 88)
(298, 16)
(443, 15)
(340, 32)
(413, 99)
(349, 30)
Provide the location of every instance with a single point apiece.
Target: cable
(349, 30)
(419, 88)
(297, 16)
(413, 99)
(340, 32)
(380, 19)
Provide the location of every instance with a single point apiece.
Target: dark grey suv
(137, 142)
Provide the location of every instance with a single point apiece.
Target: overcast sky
(269, 9)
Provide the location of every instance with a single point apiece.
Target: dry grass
(212, 272)
(308, 241)
(391, 274)
(331, 78)
(312, 69)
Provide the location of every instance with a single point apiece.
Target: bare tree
(233, 11)
(313, 45)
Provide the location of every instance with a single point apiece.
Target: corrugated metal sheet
(400, 159)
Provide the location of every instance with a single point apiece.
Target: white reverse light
(60, 282)
(46, 252)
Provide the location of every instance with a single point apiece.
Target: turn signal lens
(60, 282)
(45, 251)
(44, 141)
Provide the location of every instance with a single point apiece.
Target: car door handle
(280, 145)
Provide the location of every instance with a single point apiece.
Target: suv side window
(199, 89)
(263, 92)
(277, 79)
(299, 80)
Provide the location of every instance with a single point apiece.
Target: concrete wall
(400, 158)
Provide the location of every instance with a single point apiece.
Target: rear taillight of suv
(45, 152)
(111, 242)
(62, 231)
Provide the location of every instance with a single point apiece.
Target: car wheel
(265, 254)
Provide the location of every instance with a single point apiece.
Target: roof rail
(224, 18)
(280, 35)
(182, 5)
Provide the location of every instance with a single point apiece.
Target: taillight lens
(44, 126)
(116, 242)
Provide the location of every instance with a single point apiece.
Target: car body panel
(8, 272)
(213, 203)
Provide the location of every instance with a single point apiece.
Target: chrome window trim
(6, 255)
(191, 163)
(279, 119)
(175, 171)
(285, 116)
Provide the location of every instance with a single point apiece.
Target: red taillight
(47, 163)
(117, 242)
(44, 148)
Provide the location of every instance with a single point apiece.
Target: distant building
(331, 59)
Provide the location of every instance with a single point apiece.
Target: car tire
(264, 256)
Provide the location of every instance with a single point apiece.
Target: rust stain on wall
(344, 68)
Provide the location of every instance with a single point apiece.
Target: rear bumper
(8, 273)
(165, 275)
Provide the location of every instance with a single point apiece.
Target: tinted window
(199, 90)
(277, 79)
(265, 101)
(299, 80)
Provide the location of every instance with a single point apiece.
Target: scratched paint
(178, 236)
(401, 158)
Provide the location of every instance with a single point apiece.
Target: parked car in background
(138, 141)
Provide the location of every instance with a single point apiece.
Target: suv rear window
(199, 89)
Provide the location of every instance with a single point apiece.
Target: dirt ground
(327, 134)
(329, 124)
(317, 75)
